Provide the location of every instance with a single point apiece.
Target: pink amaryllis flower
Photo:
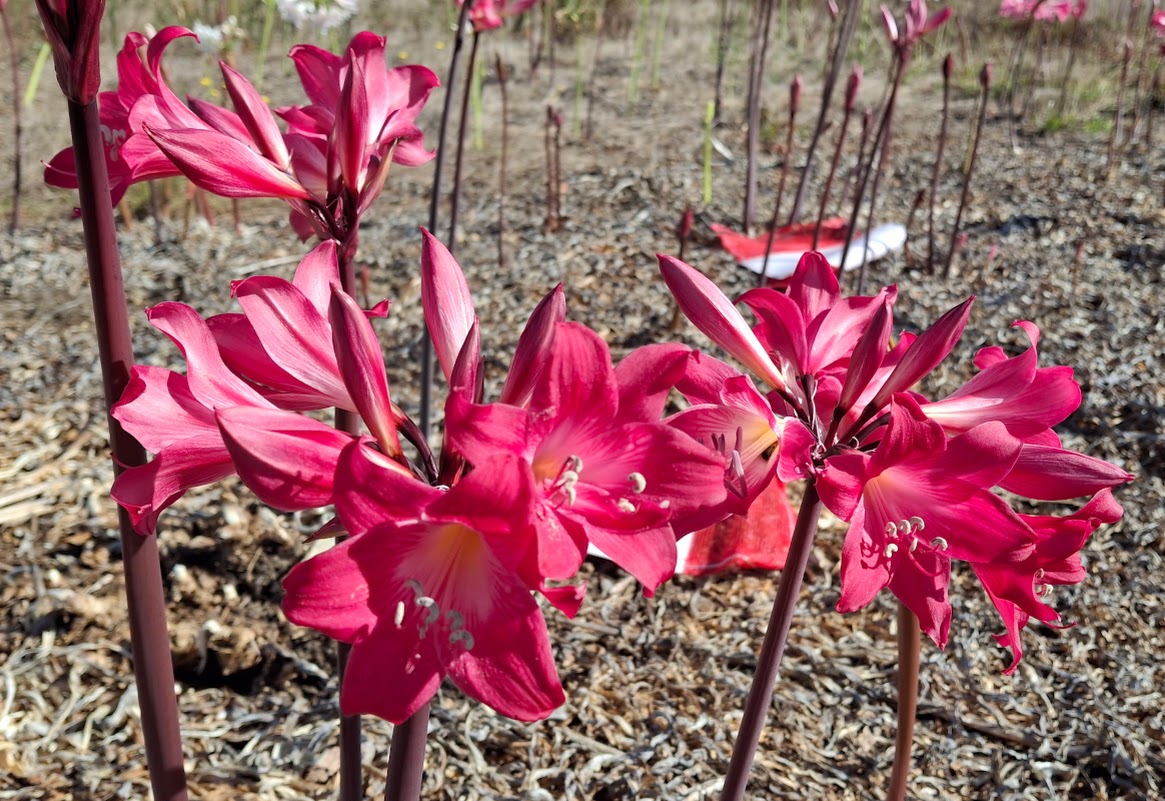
(917, 23)
(917, 502)
(486, 15)
(1019, 589)
(432, 590)
(603, 476)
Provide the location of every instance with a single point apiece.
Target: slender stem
(727, 18)
(883, 159)
(780, 193)
(407, 758)
(434, 213)
(985, 80)
(760, 44)
(909, 650)
(501, 70)
(17, 126)
(1073, 45)
(848, 23)
(146, 602)
(829, 180)
(769, 662)
(455, 195)
(938, 164)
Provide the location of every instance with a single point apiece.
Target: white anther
(891, 549)
(1039, 576)
(904, 526)
(571, 494)
(665, 504)
(626, 506)
(576, 464)
(415, 586)
(913, 544)
(939, 542)
(399, 616)
(569, 478)
(638, 482)
(434, 612)
(919, 523)
(1042, 590)
(891, 530)
(462, 636)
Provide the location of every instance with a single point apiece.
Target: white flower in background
(215, 39)
(320, 15)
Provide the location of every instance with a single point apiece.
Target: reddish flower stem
(845, 34)
(985, 83)
(727, 21)
(455, 196)
(406, 765)
(832, 172)
(909, 655)
(145, 600)
(505, 154)
(760, 44)
(768, 663)
(948, 68)
(886, 136)
(17, 126)
(795, 95)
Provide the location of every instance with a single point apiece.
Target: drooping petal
(1048, 473)
(223, 165)
(646, 376)
(286, 459)
(361, 364)
(931, 347)
(256, 115)
(372, 489)
(385, 680)
(533, 345)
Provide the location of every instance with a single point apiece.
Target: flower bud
(985, 75)
(948, 67)
(684, 229)
(73, 29)
(852, 86)
(795, 94)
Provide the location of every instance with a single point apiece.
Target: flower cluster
(318, 15)
(1043, 10)
(486, 15)
(913, 477)
(329, 165)
(445, 551)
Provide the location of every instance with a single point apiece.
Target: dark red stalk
(426, 414)
(551, 188)
(883, 160)
(588, 127)
(760, 44)
(855, 173)
(948, 70)
(558, 166)
(683, 233)
(768, 665)
(985, 84)
(501, 70)
(794, 102)
(919, 198)
(17, 126)
(1154, 94)
(909, 656)
(851, 94)
(455, 195)
(146, 602)
(848, 23)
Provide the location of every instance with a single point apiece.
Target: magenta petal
(576, 394)
(931, 347)
(256, 115)
(649, 555)
(448, 305)
(225, 166)
(385, 681)
(781, 328)
(814, 287)
(512, 669)
(154, 394)
(533, 345)
(330, 594)
(318, 72)
(479, 432)
(709, 310)
(646, 376)
(316, 273)
(372, 489)
(147, 491)
(867, 357)
(286, 459)
(1054, 474)
(362, 367)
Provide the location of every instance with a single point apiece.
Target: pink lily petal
(447, 303)
(361, 364)
(147, 491)
(646, 376)
(318, 72)
(286, 459)
(154, 394)
(931, 347)
(706, 306)
(533, 345)
(867, 357)
(256, 115)
(201, 154)
(1054, 474)
(782, 328)
(374, 489)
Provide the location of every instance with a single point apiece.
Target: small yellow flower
(402, 55)
(205, 81)
(440, 44)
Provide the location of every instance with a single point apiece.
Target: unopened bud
(851, 87)
(795, 94)
(73, 30)
(832, 6)
(985, 75)
(948, 67)
(1128, 51)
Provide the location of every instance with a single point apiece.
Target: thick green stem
(769, 662)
